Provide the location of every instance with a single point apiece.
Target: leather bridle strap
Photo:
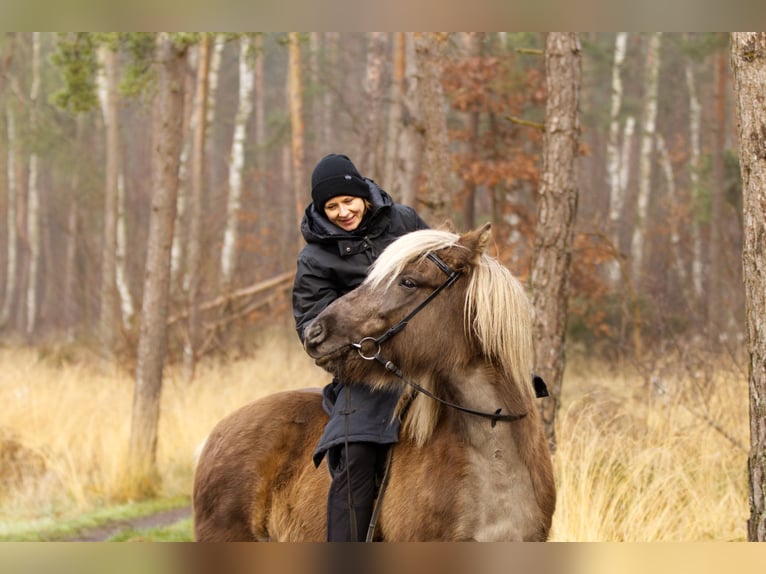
(452, 276)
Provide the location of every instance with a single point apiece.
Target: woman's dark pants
(351, 498)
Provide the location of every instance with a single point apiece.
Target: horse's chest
(499, 501)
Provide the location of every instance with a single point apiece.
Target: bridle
(452, 276)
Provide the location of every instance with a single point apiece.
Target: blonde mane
(497, 311)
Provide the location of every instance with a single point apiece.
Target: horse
(445, 321)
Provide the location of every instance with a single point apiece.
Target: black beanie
(335, 175)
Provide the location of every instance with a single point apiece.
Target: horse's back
(250, 460)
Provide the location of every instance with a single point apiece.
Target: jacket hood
(316, 228)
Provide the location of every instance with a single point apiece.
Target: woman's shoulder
(408, 217)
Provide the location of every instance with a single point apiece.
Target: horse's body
(454, 475)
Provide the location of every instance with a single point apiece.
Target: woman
(346, 227)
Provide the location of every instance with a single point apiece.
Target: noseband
(452, 276)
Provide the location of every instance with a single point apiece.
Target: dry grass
(77, 420)
(637, 465)
(632, 465)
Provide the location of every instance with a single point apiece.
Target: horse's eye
(408, 283)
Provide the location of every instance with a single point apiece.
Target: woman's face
(345, 211)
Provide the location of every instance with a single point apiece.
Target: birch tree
(142, 453)
(556, 212)
(616, 195)
(748, 60)
(107, 90)
(695, 120)
(647, 145)
(237, 162)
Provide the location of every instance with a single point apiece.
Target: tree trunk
(13, 240)
(69, 299)
(695, 122)
(295, 95)
(430, 51)
(472, 46)
(748, 60)
(259, 113)
(108, 298)
(391, 164)
(196, 199)
(717, 244)
(373, 88)
(237, 163)
(127, 306)
(412, 141)
(647, 144)
(675, 237)
(152, 341)
(616, 195)
(332, 51)
(556, 212)
(33, 201)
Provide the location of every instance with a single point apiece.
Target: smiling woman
(349, 223)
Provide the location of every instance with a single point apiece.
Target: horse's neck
(482, 388)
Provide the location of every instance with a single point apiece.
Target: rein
(452, 276)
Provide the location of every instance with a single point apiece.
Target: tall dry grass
(652, 458)
(632, 464)
(76, 420)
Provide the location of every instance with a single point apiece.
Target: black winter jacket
(332, 263)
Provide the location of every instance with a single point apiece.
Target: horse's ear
(448, 225)
(485, 235)
(477, 240)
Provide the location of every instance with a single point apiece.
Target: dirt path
(102, 533)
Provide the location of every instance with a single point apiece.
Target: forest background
(658, 236)
(448, 123)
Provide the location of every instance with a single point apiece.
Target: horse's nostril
(314, 333)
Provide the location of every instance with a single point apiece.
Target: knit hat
(335, 175)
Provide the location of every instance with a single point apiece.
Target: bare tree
(695, 122)
(142, 454)
(430, 48)
(237, 161)
(411, 147)
(649, 120)
(616, 191)
(373, 89)
(108, 299)
(748, 58)
(556, 212)
(33, 201)
(13, 236)
(295, 95)
(717, 244)
(196, 198)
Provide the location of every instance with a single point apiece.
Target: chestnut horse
(472, 463)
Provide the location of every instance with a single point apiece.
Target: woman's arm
(313, 290)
